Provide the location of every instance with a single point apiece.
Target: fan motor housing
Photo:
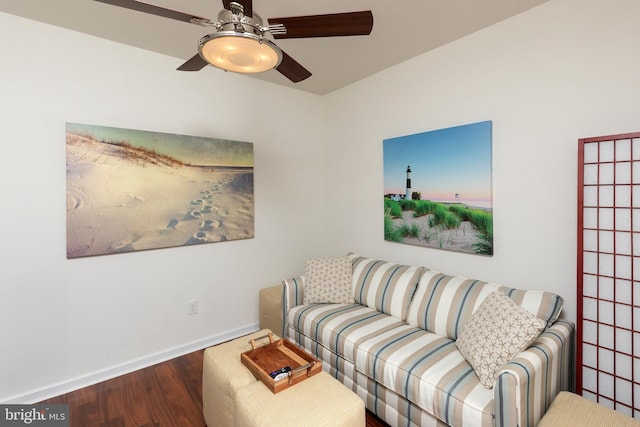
(229, 21)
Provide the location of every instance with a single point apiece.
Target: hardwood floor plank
(137, 396)
(168, 394)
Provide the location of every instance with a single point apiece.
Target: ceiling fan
(240, 44)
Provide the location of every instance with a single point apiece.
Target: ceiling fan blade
(330, 25)
(195, 63)
(291, 69)
(153, 10)
(246, 4)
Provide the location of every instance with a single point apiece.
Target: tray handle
(300, 370)
(253, 340)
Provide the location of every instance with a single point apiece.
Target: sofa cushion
(495, 334)
(443, 304)
(339, 327)
(328, 280)
(384, 286)
(427, 369)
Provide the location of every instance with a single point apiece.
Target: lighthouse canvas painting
(438, 189)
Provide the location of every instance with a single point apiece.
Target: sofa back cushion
(443, 304)
(384, 286)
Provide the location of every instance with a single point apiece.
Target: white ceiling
(401, 30)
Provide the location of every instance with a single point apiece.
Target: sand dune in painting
(121, 199)
(460, 239)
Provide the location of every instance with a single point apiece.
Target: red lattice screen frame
(608, 306)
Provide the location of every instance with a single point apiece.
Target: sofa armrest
(270, 309)
(526, 386)
(292, 295)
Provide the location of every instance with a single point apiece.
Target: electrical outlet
(192, 307)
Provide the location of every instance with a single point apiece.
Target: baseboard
(70, 385)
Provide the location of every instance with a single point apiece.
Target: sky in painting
(194, 150)
(443, 163)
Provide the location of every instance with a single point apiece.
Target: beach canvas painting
(437, 189)
(131, 190)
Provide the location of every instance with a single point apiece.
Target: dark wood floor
(168, 394)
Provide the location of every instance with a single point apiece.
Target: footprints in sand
(204, 209)
(217, 212)
(209, 224)
(198, 208)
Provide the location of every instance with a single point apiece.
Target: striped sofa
(395, 346)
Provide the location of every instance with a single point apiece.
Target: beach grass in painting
(131, 190)
(437, 189)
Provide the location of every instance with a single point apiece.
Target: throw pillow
(328, 280)
(495, 334)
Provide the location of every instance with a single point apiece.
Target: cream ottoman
(315, 402)
(568, 410)
(223, 374)
(231, 395)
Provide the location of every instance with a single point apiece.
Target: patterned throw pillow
(495, 334)
(328, 280)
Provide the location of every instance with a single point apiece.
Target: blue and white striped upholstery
(443, 304)
(425, 368)
(340, 327)
(410, 373)
(527, 384)
(385, 286)
(292, 295)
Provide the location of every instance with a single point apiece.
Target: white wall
(565, 70)
(66, 322)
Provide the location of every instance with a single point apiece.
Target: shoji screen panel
(608, 369)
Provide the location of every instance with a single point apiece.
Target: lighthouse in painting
(408, 193)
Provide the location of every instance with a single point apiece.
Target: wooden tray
(261, 361)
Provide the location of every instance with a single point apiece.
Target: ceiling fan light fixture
(240, 52)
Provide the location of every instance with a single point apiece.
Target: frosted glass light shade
(240, 52)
